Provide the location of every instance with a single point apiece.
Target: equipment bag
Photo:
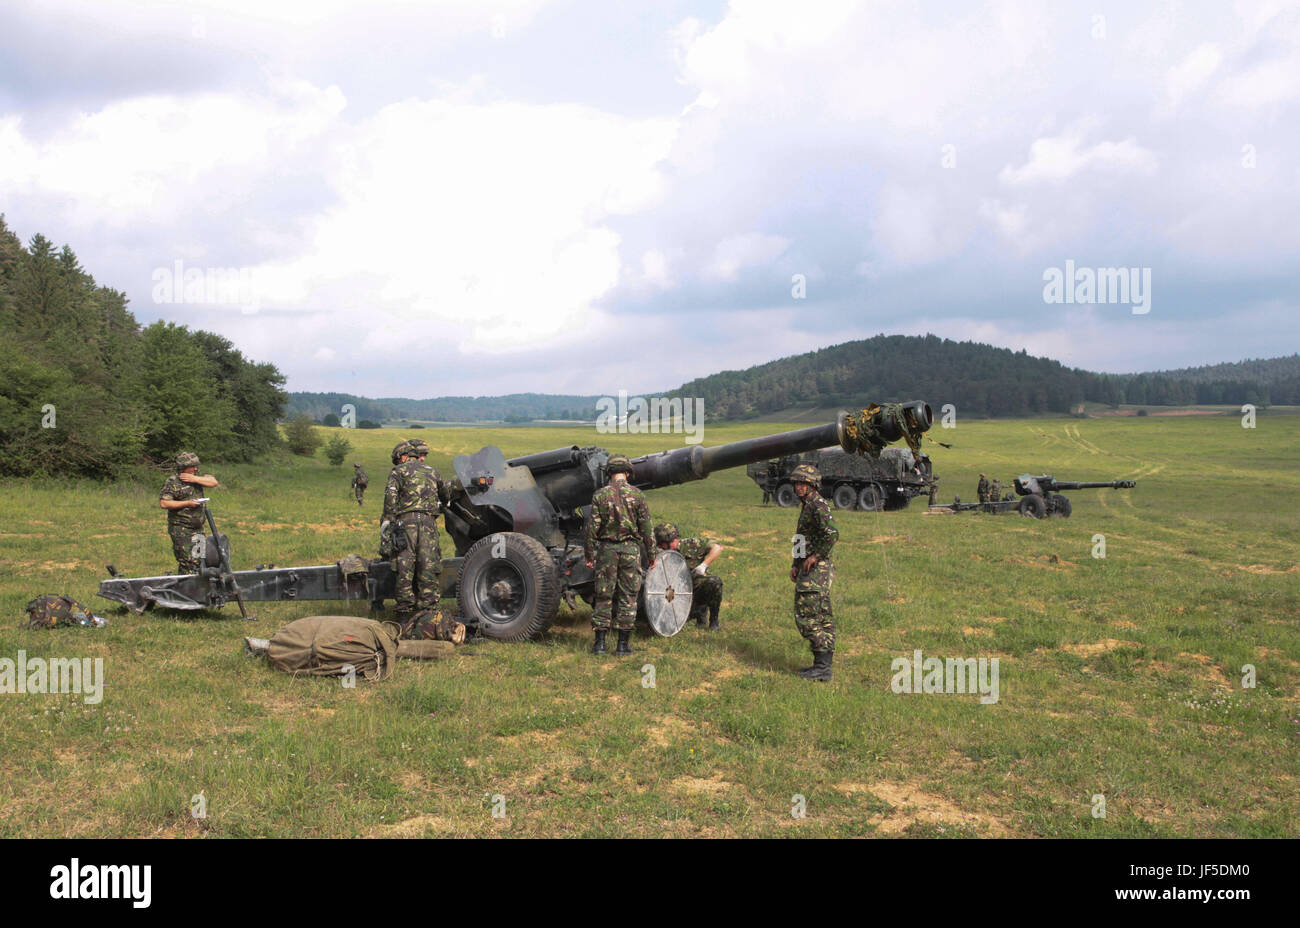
(330, 645)
(52, 611)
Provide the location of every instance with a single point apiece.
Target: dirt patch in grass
(883, 539)
(720, 675)
(1100, 647)
(1265, 569)
(1210, 671)
(698, 785)
(1046, 562)
(1123, 623)
(977, 632)
(913, 805)
(413, 827)
(668, 731)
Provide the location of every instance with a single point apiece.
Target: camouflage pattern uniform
(995, 491)
(982, 490)
(620, 542)
(183, 524)
(812, 591)
(360, 480)
(413, 499)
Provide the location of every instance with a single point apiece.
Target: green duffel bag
(328, 645)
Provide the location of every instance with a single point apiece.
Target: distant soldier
(412, 499)
(813, 572)
(934, 488)
(995, 491)
(619, 546)
(698, 553)
(360, 480)
(180, 497)
(982, 490)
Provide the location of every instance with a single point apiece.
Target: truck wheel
(845, 496)
(513, 597)
(1063, 507)
(869, 499)
(1032, 505)
(785, 495)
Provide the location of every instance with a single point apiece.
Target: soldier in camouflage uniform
(180, 496)
(698, 553)
(812, 571)
(995, 490)
(982, 489)
(360, 480)
(413, 498)
(619, 546)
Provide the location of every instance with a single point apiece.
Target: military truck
(517, 525)
(850, 481)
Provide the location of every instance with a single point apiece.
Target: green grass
(1119, 676)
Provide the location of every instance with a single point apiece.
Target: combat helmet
(618, 464)
(807, 473)
(665, 532)
(401, 448)
(186, 459)
(417, 446)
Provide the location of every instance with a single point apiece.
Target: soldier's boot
(623, 646)
(713, 619)
(406, 619)
(821, 668)
(599, 646)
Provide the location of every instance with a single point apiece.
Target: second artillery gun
(517, 526)
(1040, 496)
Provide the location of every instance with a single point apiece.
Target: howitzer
(1039, 496)
(518, 524)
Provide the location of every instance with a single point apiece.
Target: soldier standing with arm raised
(619, 546)
(181, 500)
(413, 499)
(813, 572)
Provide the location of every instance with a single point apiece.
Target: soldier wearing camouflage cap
(619, 545)
(180, 496)
(812, 571)
(698, 553)
(413, 499)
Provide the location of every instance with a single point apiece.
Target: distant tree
(336, 449)
(301, 435)
(367, 424)
(415, 425)
(331, 421)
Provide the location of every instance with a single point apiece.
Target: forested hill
(979, 379)
(85, 390)
(514, 407)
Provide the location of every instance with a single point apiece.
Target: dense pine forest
(86, 391)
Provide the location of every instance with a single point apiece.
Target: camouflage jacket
(619, 514)
(694, 550)
(177, 489)
(359, 477)
(413, 486)
(982, 488)
(817, 526)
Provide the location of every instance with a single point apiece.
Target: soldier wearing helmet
(360, 480)
(982, 489)
(812, 571)
(180, 497)
(619, 546)
(698, 553)
(413, 499)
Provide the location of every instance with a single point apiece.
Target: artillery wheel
(1032, 505)
(513, 597)
(845, 496)
(869, 498)
(785, 495)
(1063, 507)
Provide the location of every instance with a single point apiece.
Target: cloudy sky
(490, 196)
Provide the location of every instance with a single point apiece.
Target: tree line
(86, 391)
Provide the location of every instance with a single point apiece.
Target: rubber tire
(845, 496)
(785, 496)
(869, 499)
(1063, 507)
(533, 568)
(1032, 505)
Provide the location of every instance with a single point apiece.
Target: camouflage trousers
(183, 543)
(419, 567)
(707, 598)
(618, 584)
(812, 606)
(359, 489)
(431, 624)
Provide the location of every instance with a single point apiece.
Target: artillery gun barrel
(1093, 485)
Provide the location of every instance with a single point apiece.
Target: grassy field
(1120, 677)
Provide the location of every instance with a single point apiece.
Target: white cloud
(750, 249)
(1059, 158)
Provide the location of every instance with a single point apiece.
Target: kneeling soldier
(812, 571)
(619, 546)
(698, 553)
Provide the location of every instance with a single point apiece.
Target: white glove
(383, 526)
(701, 570)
